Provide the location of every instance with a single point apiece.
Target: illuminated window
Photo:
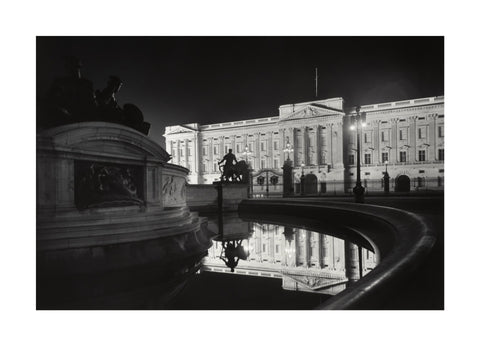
(441, 154)
(384, 157)
(421, 155)
(368, 159)
(403, 156)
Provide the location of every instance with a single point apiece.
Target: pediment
(179, 129)
(311, 111)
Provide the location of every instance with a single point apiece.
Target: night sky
(176, 80)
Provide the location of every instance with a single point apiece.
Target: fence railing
(340, 187)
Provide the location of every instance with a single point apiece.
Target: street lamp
(360, 121)
(288, 149)
(246, 153)
(386, 179)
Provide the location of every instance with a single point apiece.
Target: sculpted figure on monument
(71, 99)
(108, 108)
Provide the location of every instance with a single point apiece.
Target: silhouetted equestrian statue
(231, 172)
(71, 99)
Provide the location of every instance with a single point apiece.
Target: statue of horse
(237, 173)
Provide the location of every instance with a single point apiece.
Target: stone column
(221, 149)
(323, 247)
(178, 152)
(308, 254)
(412, 140)
(321, 140)
(431, 138)
(329, 139)
(270, 149)
(377, 153)
(352, 267)
(195, 156)
(257, 154)
(210, 154)
(281, 145)
(315, 146)
(393, 155)
(339, 146)
(306, 157)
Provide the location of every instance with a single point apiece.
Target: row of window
(403, 157)
(402, 134)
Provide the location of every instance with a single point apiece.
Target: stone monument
(103, 186)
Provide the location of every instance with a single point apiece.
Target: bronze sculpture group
(72, 99)
(231, 172)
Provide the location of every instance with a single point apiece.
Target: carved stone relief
(173, 190)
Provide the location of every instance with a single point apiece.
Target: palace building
(404, 138)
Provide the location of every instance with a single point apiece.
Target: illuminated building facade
(406, 138)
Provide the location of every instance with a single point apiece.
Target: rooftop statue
(71, 99)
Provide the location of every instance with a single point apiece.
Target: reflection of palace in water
(304, 260)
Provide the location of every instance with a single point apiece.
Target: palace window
(204, 167)
(181, 152)
(238, 148)
(368, 159)
(174, 153)
(421, 155)
(367, 137)
(275, 145)
(440, 131)
(215, 168)
(275, 163)
(204, 151)
(384, 157)
(250, 146)
(263, 164)
(422, 133)
(384, 136)
(215, 150)
(276, 248)
(189, 151)
(403, 134)
(440, 154)
(403, 156)
(262, 145)
(226, 149)
(351, 159)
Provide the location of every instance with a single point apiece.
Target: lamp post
(288, 149)
(386, 179)
(246, 153)
(288, 171)
(358, 190)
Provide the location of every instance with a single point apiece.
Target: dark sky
(176, 80)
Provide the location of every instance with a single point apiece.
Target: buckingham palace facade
(404, 138)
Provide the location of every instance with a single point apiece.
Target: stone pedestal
(100, 184)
